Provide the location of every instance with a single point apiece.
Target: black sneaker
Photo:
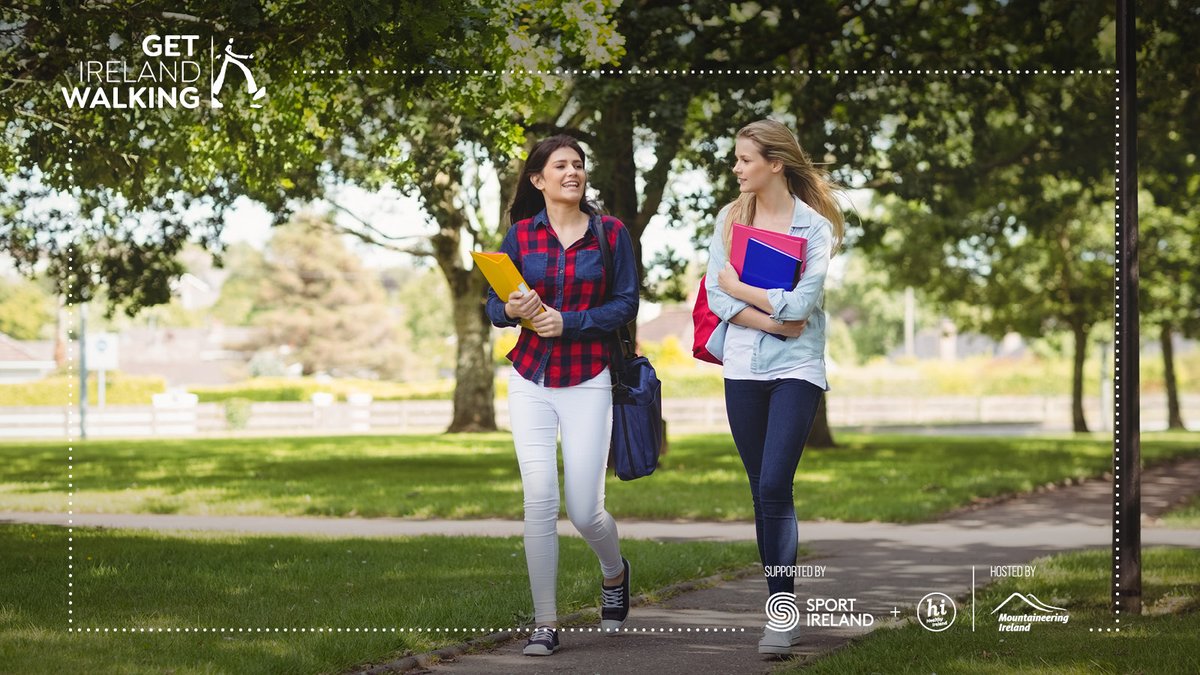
(614, 604)
(543, 642)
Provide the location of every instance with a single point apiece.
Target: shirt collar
(543, 220)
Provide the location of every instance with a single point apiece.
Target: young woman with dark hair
(560, 379)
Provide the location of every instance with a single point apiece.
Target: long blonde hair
(812, 184)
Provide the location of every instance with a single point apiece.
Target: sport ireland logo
(782, 613)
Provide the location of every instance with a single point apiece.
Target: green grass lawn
(1166, 639)
(248, 584)
(870, 477)
(1186, 516)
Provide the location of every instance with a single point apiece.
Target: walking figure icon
(230, 57)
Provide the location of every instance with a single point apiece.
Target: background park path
(885, 568)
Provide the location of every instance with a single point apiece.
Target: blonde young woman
(773, 386)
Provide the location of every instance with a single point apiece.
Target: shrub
(237, 413)
(120, 389)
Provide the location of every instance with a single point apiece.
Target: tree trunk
(1077, 419)
(474, 389)
(821, 435)
(1174, 417)
(474, 378)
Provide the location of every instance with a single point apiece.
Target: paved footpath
(884, 567)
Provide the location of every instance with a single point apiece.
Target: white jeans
(584, 415)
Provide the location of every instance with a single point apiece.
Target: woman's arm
(495, 305)
(752, 317)
(724, 305)
(799, 302)
(754, 296)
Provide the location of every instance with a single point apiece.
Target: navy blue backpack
(637, 431)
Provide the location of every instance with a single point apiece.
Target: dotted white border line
(651, 72)
(1118, 273)
(70, 422)
(656, 72)
(402, 630)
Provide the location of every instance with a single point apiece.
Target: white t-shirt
(739, 347)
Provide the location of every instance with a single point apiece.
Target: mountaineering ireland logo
(232, 58)
(1022, 623)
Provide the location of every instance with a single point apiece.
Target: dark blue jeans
(770, 421)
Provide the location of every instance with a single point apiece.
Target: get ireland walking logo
(167, 73)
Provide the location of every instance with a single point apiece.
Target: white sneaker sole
(538, 650)
(611, 627)
(780, 650)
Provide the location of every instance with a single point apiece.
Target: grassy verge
(1165, 640)
(870, 477)
(248, 584)
(1186, 516)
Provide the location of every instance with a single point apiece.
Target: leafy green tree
(871, 308)
(317, 299)
(1170, 285)
(1003, 192)
(235, 305)
(1169, 173)
(26, 309)
(148, 181)
(424, 301)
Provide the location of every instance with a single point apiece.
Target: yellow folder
(502, 274)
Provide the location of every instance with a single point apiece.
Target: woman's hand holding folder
(730, 282)
(547, 321)
(523, 305)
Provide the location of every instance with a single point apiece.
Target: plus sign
(895, 612)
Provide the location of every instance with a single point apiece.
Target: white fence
(683, 415)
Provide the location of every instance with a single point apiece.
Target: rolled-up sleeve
(495, 306)
(621, 308)
(722, 304)
(800, 302)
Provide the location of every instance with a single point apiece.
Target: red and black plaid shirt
(573, 282)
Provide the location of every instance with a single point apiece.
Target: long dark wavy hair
(528, 201)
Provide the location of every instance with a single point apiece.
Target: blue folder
(768, 267)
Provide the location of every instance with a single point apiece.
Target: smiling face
(754, 172)
(563, 179)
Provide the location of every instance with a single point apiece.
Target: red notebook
(793, 246)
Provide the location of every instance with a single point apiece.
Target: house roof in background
(12, 350)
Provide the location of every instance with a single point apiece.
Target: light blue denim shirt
(802, 302)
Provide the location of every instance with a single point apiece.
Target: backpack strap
(622, 347)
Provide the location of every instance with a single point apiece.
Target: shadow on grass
(879, 477)
(284, 604)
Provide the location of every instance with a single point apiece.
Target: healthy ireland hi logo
(782, 612)
(168, 73)
(1023, 621)
(936, 612)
